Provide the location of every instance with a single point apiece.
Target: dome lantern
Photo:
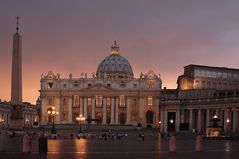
(115, 48)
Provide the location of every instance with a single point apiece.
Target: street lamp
(52, 112)
(159, 125)
(80, 119)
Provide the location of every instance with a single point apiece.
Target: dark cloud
(74, 36)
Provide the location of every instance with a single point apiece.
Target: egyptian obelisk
(16, 83)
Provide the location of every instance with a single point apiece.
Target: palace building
(203, 92)
(111, 96)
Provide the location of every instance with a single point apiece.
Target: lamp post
(159, 125)
(52, 112)
(80, 119)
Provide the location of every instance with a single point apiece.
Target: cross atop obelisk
(17, 23)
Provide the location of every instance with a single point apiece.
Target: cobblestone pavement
(132, 148)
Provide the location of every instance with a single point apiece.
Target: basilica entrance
(171, 121)
(122, 118)
(98, 117)
(149, 117)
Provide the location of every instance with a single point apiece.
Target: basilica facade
(110, 96)
(114, 96)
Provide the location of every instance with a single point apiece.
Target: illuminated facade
(203, 92)
(112, 95)
(206, 77)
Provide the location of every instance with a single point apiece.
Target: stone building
(5, 112)
(29, 112)
(112, 95)
(203, 92)
(207, 77)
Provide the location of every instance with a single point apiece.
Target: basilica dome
(114, 65)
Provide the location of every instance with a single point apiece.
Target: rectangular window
(229, 76)
(234, 76)
(64, 101)
(224, 76)
(89, 101)
(64, 85)
(108, 101)
(76, 101)
(122, 85)
(209, 74)
(150, 101)
(196, 73)
(214, 75)
(122, 101)
(98, 100)
(50, 85)
(50, 101)
(203, 74)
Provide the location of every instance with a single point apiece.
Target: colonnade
(109, 110)
(198, 119)
(113, 107)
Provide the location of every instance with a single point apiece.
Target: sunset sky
(74, 36)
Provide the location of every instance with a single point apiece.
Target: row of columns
(83, 108)
(114, 109)
(229, 121)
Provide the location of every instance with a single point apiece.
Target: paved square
(132, 148)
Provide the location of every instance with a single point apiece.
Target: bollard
(35, 145)
(159, 141)
(42, 145)
(3, 137)
(172, 144)
(26, 147)
(198, 144)
(159, 137)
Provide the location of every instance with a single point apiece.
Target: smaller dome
(114, 65)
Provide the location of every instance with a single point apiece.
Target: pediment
(99, 87)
